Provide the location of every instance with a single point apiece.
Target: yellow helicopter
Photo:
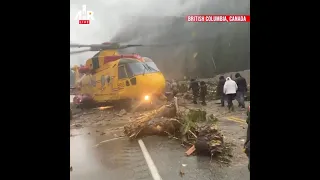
(110, 77)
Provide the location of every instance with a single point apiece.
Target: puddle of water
(83, 157)
(115, 159)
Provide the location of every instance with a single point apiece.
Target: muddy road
(99, 150)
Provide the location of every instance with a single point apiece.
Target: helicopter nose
(154, 83)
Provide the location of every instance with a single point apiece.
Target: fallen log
(153, 123)
(184, 125)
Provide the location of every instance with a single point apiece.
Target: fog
(160, 24)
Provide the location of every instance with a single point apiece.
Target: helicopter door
(124, 80)
(122, 77)
(95, 63)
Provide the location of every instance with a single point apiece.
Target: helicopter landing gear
(86, 105)
(148, 106)
(123, 104)
(127, 104)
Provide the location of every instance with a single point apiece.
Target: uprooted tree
(191, 126)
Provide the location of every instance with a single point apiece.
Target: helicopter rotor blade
(116, 45)
(84, 45)
(104, 46)
(130, 45)
(75, 45)
(80, 51)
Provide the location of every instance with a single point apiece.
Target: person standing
(220, 93)
(203, 92)
(229, 89)
(174, 87)
(242, 89)
(194, 85)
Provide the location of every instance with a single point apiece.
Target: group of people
(229, 89)
(198, 90)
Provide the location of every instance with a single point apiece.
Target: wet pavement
(122, 159)
(169, 156)
(118, 159)
(94, 158)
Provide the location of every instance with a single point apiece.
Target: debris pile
(182, 87)
(192, 126)
(209, 140)
(155, 122)
(211, 89)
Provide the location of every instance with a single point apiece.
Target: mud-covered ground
(99, 148)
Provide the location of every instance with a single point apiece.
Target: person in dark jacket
(247, 143)
(220, 93)
(203, 92)
(174, 87)
(242, 89)
(194, 85)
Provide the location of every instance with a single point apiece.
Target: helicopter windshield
(151, 64)
(143, 68)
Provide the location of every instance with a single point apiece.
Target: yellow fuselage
(105, 84)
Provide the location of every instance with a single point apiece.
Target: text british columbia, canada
(212, 18)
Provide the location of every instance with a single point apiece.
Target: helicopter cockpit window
(146, 59)
(122, 72)
(128, 70)
(143, 68)
(137, 68)
(151, 64)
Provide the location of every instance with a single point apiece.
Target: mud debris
(78, 125)
(102, 133)
(191, 126)
(122, 112)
